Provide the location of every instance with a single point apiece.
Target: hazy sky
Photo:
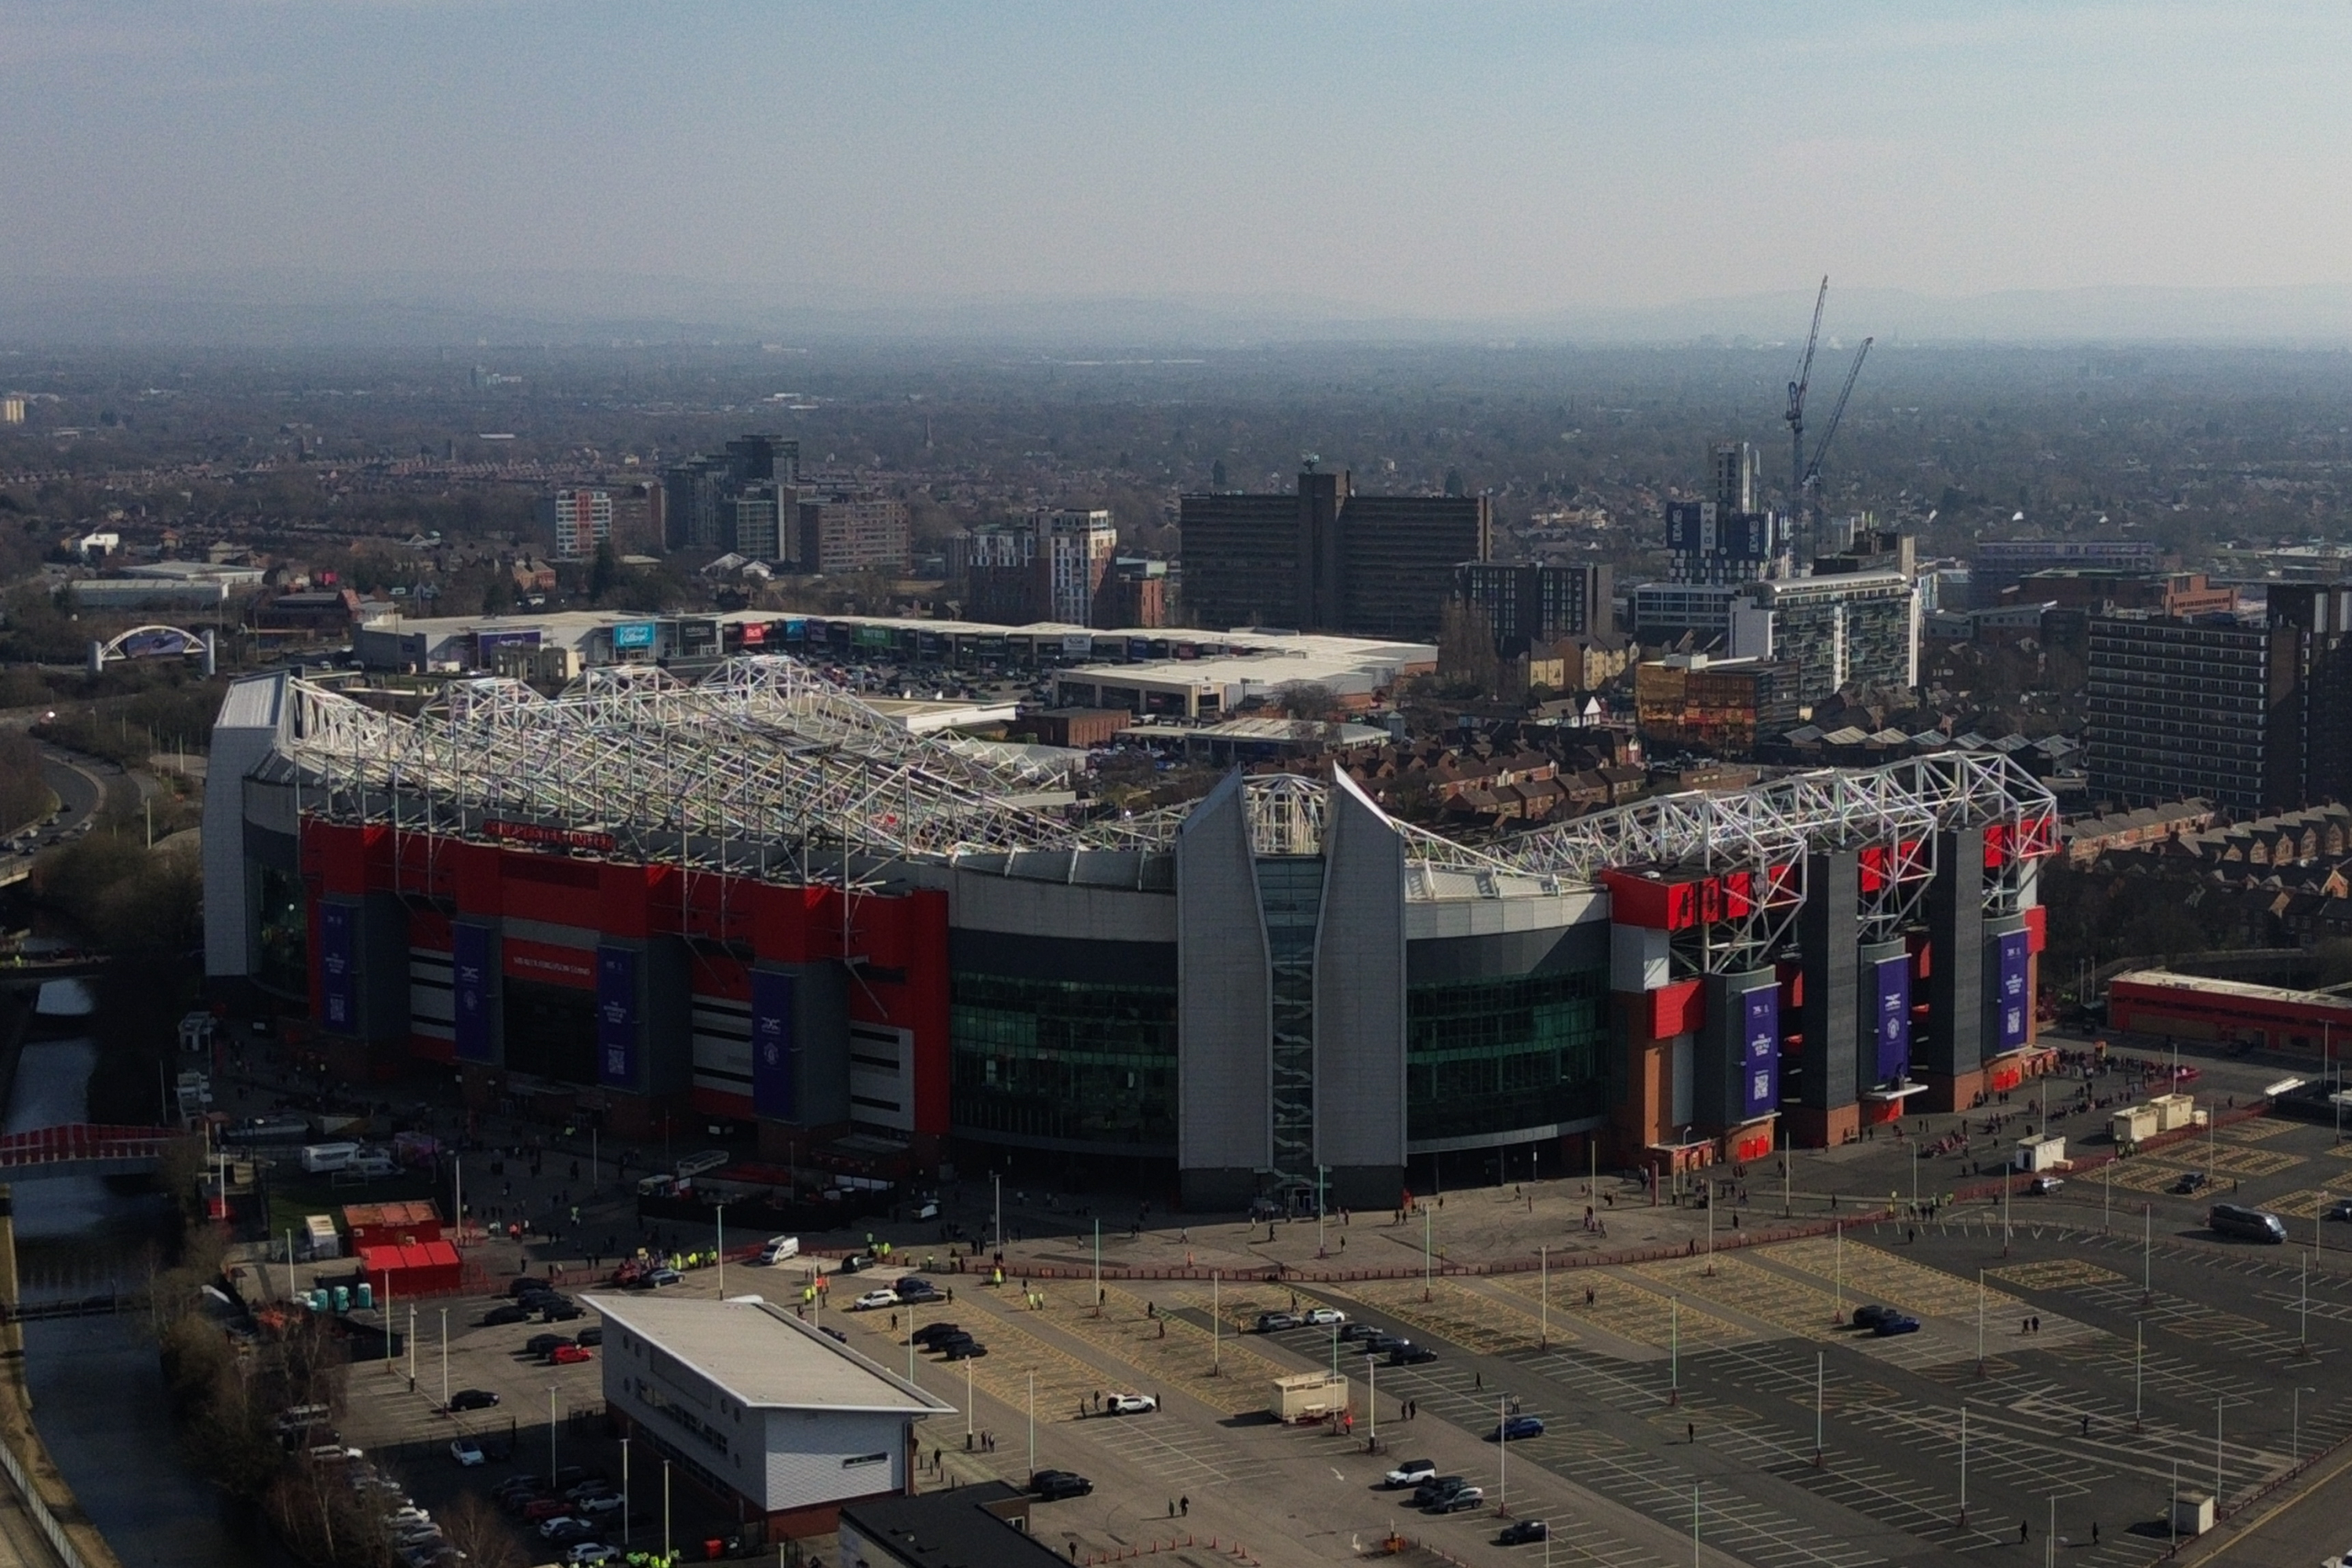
(1451, 160)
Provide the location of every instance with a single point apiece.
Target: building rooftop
(762, 1355)
(2244, 991)
(965, 1527)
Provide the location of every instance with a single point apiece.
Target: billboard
(772, 1046)
(1890, 993)
(616, 1016)
(1759, 1052)
(338, 980)
(1077, 645)
(874, 636)
(2014, 953)
(633, 633)
(470, 976)
(698, 637)
(487, 643)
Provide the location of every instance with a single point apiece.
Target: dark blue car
(1516, 1428)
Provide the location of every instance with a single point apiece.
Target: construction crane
(1797, 388)
(1812, 473)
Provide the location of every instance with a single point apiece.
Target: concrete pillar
(1949, 1060)
(1826, 1113)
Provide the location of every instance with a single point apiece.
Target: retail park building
(733, 889)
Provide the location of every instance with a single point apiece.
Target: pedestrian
(2024, 1531)
(1184, 1507)
(1477, 1380)
(1171, 1508)
(2095, 1532)
(1690, 1433)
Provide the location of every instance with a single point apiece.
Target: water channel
(98, 1391)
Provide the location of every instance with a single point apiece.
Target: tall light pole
(1372, 1399)
(445, 1358)
(1099, 1296)
(1964, 1464)
(2139, 1350)
(1673, 1350)
(550, 1434)
(1543, 1298)
(1321, 1173)
(966, 1402)
(1216, 1323)
(2216, 1452)
(1033, 1421)
(2146, 1254)
(1981, 1310)
(720, 1212)
(996, 1188)
(1426, 1214)
(666, 1553)
(1818, 1382)
(624, 1491)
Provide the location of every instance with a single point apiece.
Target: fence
(53, 1532)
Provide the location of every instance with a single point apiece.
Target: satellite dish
(1309, 459)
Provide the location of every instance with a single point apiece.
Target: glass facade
(1065, 1061)
(282, 948)
(1290, 891)
(1492, 1055)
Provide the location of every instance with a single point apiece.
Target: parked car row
(569, 1510)
(416, 1542)
(950, 1342)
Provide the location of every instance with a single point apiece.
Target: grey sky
(1451, 160)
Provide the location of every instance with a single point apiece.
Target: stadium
(654, 900)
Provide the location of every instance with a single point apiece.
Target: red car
(566, 1355)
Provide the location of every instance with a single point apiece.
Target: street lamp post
(1502, 1457)
(445, 1358)
(720, 1213)
(996, 1188)
(1321, 1173)
(1673, 1350)
(1964, 1464)
(1818, 1382)
(624, 1491)
(2139, 1349)
(1543, 1298)
(1033, 1421)
(1425, 1215)
(666, 1553)
(550, 1434)
(1216, 1323)
(1098, 1293)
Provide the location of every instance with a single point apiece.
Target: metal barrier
(52, 1529)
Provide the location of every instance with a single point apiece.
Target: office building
(1727, 538)
(852, 530)
(11, 409)
(981, 1526)
(1327, 558)
(1134, 593)
(1531, 602)
(1843, 631)
(1721, 705)
(761, 508)
(575, 521)
(764, 459)
(696, 510)
(996, 564)
(760, 1408)
(2108, 588)
(1997, 565)
(1272, 991)
(637, 517)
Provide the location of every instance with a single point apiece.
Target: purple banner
(338, 980)
(1891, 997)
(470, 982)
(1759, 1052)
(616, 1016)
(773, 1090)
(2009, 995)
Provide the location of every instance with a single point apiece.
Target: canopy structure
(764, 767)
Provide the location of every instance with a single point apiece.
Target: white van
(694, 1165)
(319, 1157)
(780, 1248)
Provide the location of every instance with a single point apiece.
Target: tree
(475, 1528)
(1308, 699)
(1217, 475)
(603, 572)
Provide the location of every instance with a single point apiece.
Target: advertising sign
(633, 633)
(616, 1016)
(930, 647)
(2008, 995)
(338, 980)
(1077, 645)
(772, 1045)
(796, 630)
(1760, 1053)
(1890, 991)
(754, 632)
(874, 636)
(470, 976)
(487, 643)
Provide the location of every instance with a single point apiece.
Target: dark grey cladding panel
(1224, 994)
(1359, 989)
(278, 851)
(1062, 958)
(1459, 960)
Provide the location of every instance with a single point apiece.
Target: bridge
(82, 1149)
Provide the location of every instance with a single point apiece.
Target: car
(469, 1453)
(2187, 1074)
(592, 1552)
(838, 1337)
(591, 1337)
(1322, 1317)
(1867, 1317)
(1518, 1428)
(933, 1333)
(1437, 1487)
(1900, 1323)
(1411, 1473)
(2044, 1184)
(1380, 1342)
(1462, 1501)
(545, 1344)
(569, 1355)
(659, 1277)
(601, 1503)
(499, 1317)
(1411, 1355)
(1055, 1485)
(567, 1531)
(515, 1487)
(875, 1300)
(965, 1350)
(540, 1508)
(522, 1285)
(1130, 1404)
(2340, 1209)
(1273, 1322)
(473, 1399)
(1354, 1332)
(915, 1288)
(1524, 1532)
(2190, 1181)
(560, 1309)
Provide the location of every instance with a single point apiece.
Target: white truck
(321, 1158)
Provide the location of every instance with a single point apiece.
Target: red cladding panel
(429, 929)
(548, 964)
(1652, 905)
(1677, 1009)
(1996, 845)
(625, 892)
(476, 873)
(927, 1003)
(1872, 865)
(546, 888)
(2037, 928)
(717, 974)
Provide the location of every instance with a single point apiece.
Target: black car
(934, 1334)
(1380, 1342)
(1437, 1489)
(915, 1288)
(1274, 1322)
(472, 1399)
(836, 1333)
(1525, 1532)
(559, 1309)
(2189, 1183)
(966, 1349)
(524, 1285)
(499, 1316)
(1869, 1317)
(1053, 1486)
(545, 1344)
(1411, 1355)
(1350, 1332)
(591, 1337)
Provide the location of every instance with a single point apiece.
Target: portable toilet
(342, 1299)
(367, 1295)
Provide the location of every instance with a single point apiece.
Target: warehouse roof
(2244, 991)
(762, 1355)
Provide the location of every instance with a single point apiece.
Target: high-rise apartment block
(2254, 713)
(1050, 565)
(698, 496)
(575, 521)
(1727, 538)
(1531, 602)
(761, 508)
(1074, 554)
(1328, 558)
(851, 531)
(1844, 630)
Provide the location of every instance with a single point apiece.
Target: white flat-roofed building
(758, 1404)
